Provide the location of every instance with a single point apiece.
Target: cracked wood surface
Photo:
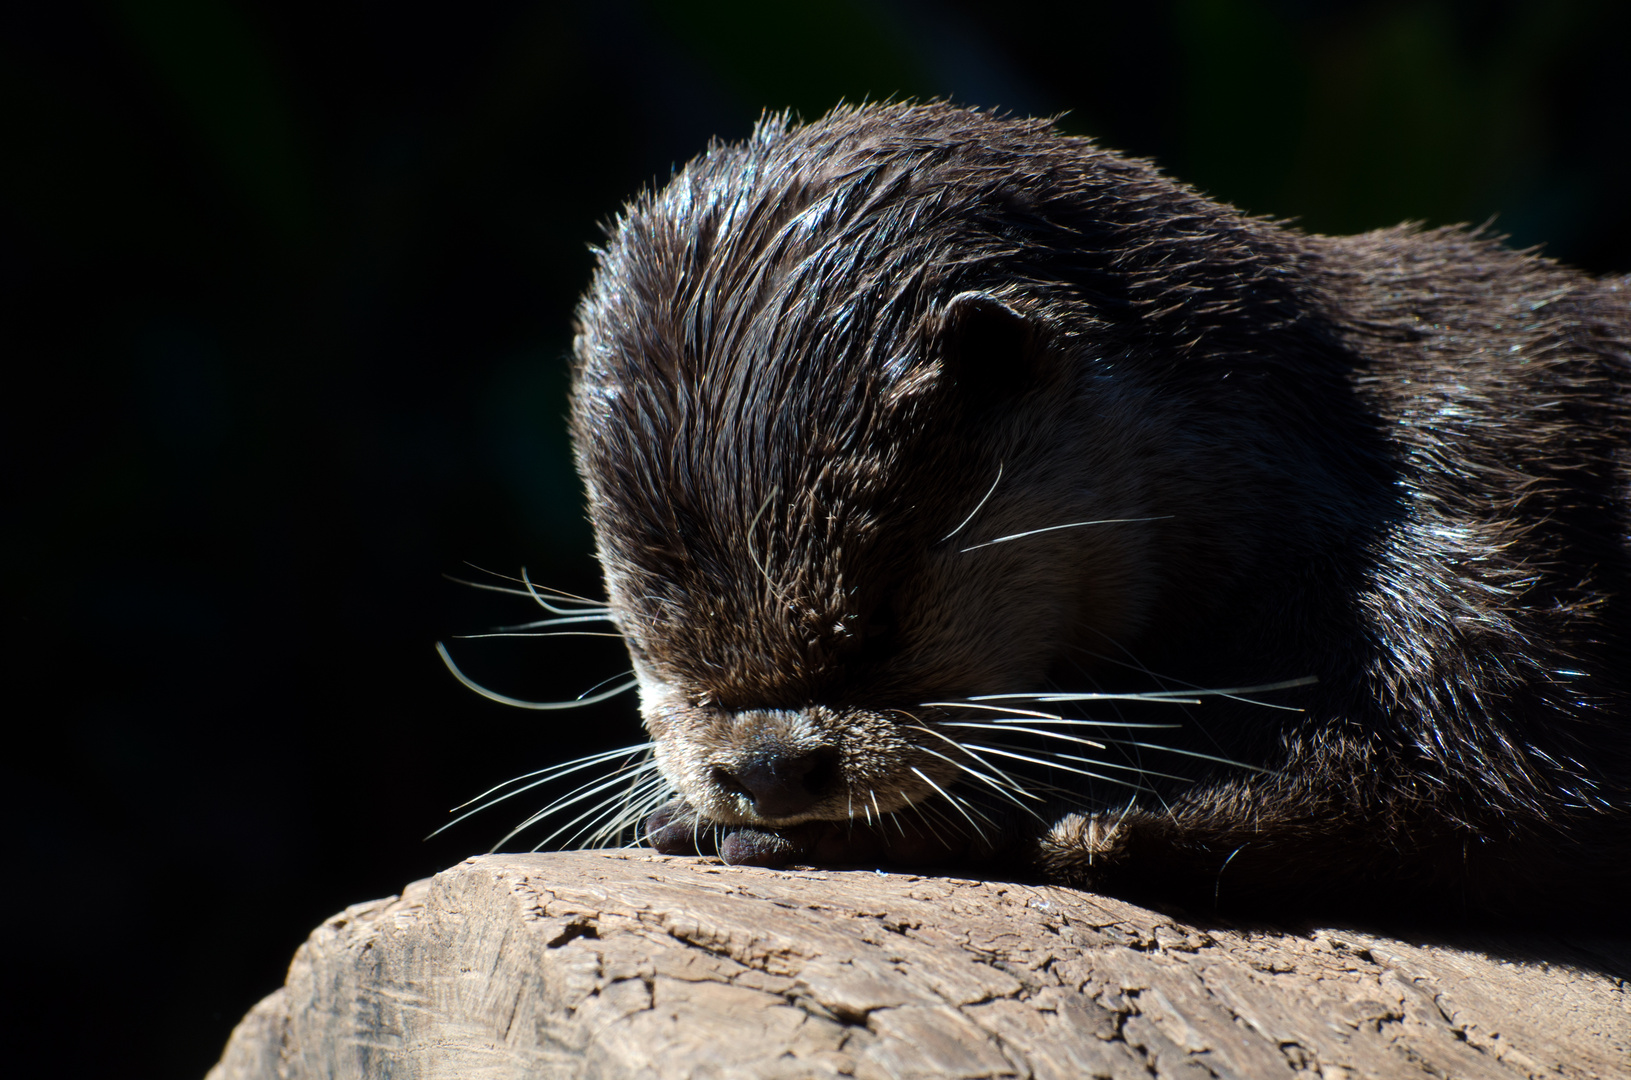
(628, 964)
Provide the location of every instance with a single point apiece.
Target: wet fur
(1396, 461)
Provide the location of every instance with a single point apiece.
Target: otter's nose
(782, 785)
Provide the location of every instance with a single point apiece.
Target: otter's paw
(676, 829)
(1087, 850)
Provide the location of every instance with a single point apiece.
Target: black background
(286, 301)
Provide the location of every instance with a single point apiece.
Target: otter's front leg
(1264, 849)
(1202, 858)
(902, 840)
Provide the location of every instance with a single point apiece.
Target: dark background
(286, 301)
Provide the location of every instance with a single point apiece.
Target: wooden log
(628, 964)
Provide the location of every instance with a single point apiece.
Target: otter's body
(827, 378)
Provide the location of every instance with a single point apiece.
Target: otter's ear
(988, 351)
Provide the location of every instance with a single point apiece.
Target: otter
(969, 495)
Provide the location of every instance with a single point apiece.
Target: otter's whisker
(550, 633)
(1135, 664)
(1131, 662)
(637, 804)
(1105, 742)
(641, 811)
(544, 776)
(960, 804)
(972, 704)
(532, 591)
(1007, 786)
(977, 508)
(1072, 525)
(1185, 697)
(1069, 721)
(1057, 755)
(486, 586)
(584, 605)
(564, 620)
(589, 818)
(1153, 697)
(1008, 789)
(927, 811)
(1008, 781)
(517, 702)
(895, 817)
(615, 824)
(603, 682)
(572, 798)
(587, 789)
(1007, 727)
(696, 833)
(1194, 754)
(897, 814)
(1009, 753)
(957, 803)
(922, 815)
(555, 771)
(978, 703)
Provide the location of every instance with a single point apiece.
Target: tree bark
(628, 964)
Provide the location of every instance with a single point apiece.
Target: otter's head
(815, 376)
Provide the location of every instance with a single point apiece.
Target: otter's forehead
(805, 256)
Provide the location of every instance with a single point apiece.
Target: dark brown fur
(1397, 462)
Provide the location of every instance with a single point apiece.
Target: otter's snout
(779, 784)
(783, 767)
